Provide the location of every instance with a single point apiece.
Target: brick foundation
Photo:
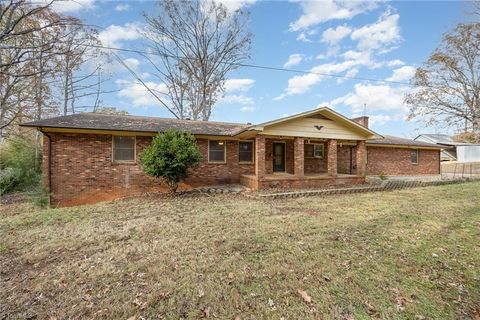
(294, 182)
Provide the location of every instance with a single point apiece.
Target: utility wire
(257, 66)
(246, 65)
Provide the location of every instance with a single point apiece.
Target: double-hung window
(414, 156)
(123, 149)
(314, 150)
(245, 151)
(216, 151)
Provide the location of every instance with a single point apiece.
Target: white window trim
(253, 152)
(418, 156)
(314, 146)
(134, 149)
(224, 152)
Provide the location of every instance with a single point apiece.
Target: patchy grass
(396, 255)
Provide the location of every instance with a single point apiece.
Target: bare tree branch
(447, 86)
(198, 43)
(153, 92)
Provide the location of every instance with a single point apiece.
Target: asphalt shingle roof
(392, 140)
(98, 121)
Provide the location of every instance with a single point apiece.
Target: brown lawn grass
(410, 254)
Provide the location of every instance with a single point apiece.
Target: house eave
(117, 132)
(402, 146)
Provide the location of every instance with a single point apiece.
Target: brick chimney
(363, 121)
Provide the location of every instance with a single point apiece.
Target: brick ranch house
(89, 157)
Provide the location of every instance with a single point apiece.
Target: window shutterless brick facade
(390, 161)
(83, 170)
(398, 161)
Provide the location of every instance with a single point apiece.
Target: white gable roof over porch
(321, 123)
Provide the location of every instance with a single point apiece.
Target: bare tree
(476, 7)
(20, 20)
(29, 35)
(197, 43)
(448, 84)
(42, 52)
(80, 68)
(111, 110)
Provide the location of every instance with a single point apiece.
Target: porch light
(220, 143)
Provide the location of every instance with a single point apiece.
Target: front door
(278, 157)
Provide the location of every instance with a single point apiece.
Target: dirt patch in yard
(93, 197)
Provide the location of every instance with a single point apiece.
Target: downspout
(440, 163)
(49, 163)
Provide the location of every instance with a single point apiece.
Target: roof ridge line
(155, 117)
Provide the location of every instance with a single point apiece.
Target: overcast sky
(366, 39)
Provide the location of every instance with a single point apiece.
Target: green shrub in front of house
(170, 156)
(17, 166)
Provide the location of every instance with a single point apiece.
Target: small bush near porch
(170, 156)
(410, 254)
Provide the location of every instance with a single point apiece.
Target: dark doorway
(278, 157)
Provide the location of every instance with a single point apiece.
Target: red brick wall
(361, 158)
(343, 159)
(219, 173)
(268, 156)
(396, 161)
(317, 165)
(332, 153)
(311, 165)
(82, 170)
